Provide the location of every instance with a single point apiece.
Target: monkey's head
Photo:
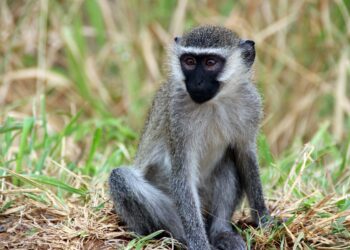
(211, 60)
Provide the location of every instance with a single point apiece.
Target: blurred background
(76, 81)
(107, 58)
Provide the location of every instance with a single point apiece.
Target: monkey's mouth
(203, 95)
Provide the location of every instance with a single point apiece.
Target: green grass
(307, 184)
(77, 78)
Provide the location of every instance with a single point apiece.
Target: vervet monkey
(197, 154)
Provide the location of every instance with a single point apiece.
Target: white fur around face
(179, 50)
(235, 71)
(176, 73)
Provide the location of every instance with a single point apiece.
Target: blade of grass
(139, 243)
(75, 49)
(43, 179)
(89, 168)
(345, 160)
(66, 131)
(264, 151)
(96, 19)
(9, 126)
(46, 140)
(52, 198)
(27, 127)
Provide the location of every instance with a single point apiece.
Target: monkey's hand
(228, 241)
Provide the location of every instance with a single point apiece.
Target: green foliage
(141, 242)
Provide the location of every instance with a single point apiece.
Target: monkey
(197, 155)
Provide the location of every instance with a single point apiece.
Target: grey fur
(220, 37)
(196, 157)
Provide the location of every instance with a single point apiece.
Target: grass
(76, 80)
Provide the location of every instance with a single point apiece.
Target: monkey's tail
(142, 206)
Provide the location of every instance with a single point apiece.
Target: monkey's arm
(248, 171)
(188, 209)
(186, 199)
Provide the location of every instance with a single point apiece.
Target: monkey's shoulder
(158, 109)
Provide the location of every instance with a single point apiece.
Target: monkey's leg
(248, 171)
(142, 206)
(224, 195)
(186, 198)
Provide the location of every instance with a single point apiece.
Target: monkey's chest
(212, 130)
(209, 159)
(209, 146)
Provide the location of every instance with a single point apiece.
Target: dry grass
(30, 224)
(75, 75)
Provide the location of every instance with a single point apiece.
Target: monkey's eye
(189, 62)
(210, 62)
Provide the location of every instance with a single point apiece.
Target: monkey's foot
(229, 241)
(268, 221)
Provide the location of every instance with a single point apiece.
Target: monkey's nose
(199, 83)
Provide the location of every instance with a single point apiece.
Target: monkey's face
(201, 73)
(209, 71)
(212, 61)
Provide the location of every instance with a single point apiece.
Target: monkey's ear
(177, 39)
(248, 51)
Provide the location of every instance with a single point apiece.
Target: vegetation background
(77, 78)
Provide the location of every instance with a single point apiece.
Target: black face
(201, 72)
